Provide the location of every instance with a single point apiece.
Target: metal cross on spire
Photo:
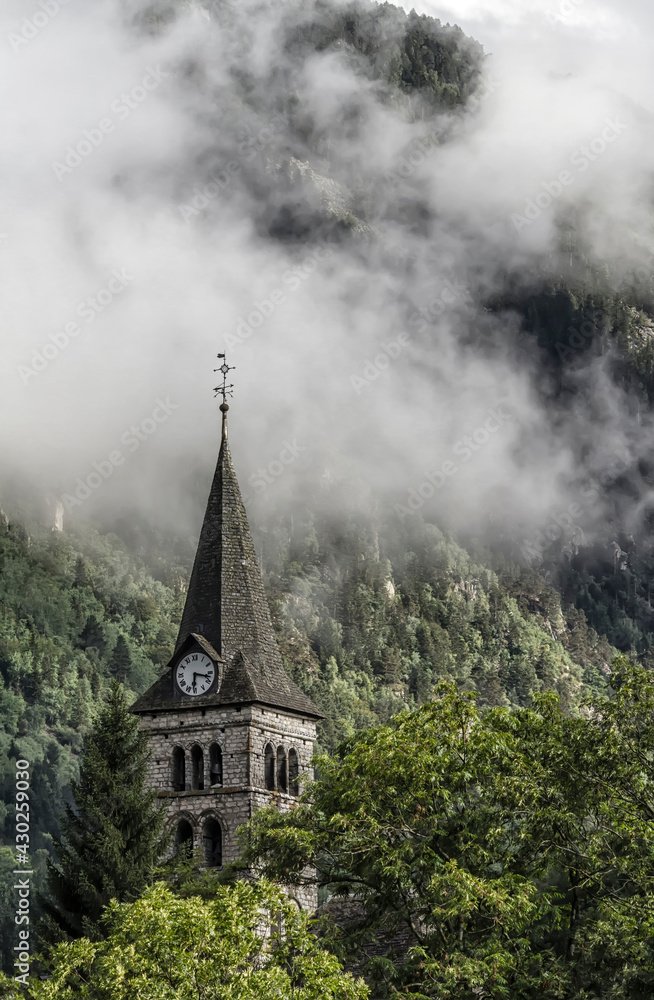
(224, 390)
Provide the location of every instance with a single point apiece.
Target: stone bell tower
(229, 731)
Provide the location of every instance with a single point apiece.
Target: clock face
(194, 674)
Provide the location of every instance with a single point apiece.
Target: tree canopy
(507, 853)
(248, 942)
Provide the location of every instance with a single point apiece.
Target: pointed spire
(226, 601)
(226, 611)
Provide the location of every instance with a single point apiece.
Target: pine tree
(112, 837)
(93, 634)
(81, 575)
(121, 660)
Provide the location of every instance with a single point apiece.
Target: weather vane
(224, 390)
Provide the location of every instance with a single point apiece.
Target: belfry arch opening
(269, 767)
(184, 837)
(215, 765)
(212, 839)
(282, 771)
(197, 768)
(293, 772)
(178, 777)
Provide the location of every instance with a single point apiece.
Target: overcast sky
(125, 294)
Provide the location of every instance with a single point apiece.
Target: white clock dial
(194, 674)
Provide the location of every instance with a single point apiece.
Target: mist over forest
(424, 239)
(418, 181)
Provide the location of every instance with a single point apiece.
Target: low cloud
(297, 218)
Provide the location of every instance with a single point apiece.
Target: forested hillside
(373, 615)
(372, 608)
(370, 616)
(75, 610)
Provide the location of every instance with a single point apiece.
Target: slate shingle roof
(226, 608)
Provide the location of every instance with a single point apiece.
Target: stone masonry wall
(242, 736)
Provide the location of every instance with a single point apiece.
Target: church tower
(228, 729)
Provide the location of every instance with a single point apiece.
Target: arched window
(293, 772)
(269, 755)
(184, 837)
(215, 765)
(282, 784)
(212, 837)
(197, 767)
(179, 770)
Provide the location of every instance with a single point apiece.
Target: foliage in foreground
(248, 942)
(114, 836)
(509, 854)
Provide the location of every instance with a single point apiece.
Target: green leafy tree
(509, 853)
(585, 796)
(407, 820)
(249, 942)
(112, 838)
